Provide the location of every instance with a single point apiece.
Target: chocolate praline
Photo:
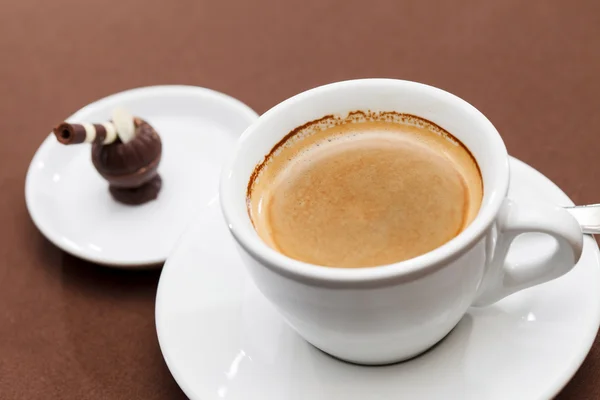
(131, 168)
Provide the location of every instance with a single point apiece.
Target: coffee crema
(366, 190)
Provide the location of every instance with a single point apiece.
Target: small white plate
(221, 339)
(70, 203)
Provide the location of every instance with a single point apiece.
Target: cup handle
(501, 279)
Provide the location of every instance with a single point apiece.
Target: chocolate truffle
(130, 167)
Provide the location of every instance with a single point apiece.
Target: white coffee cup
(390, 313)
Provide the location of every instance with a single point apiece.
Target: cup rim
(400, 271)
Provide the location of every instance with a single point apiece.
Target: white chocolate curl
(123, 122)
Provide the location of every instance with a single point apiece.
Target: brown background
(73, 330)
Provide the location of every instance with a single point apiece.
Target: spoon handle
(588, 217)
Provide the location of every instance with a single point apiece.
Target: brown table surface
(73, 330)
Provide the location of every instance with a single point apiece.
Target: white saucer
(70, 203)
(221, 339)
